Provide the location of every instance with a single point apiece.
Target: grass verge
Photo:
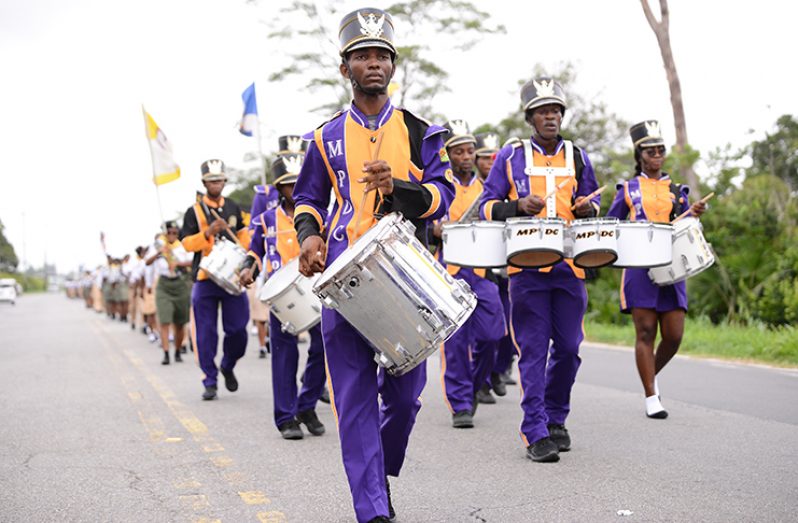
(760, 344)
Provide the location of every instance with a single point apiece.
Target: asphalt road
(95, 429)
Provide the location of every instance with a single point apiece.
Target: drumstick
(363, 199)
(227, 227)
(559, 186)
(705, 199)
(591, 195)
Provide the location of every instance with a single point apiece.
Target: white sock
(656, 386)
(653, 405)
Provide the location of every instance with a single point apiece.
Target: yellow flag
(164, 168)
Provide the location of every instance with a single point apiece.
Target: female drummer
(650, 196)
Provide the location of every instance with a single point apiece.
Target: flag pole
(261, 157)
(160, 208)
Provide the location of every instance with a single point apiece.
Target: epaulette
(309, 136)
(411, 115)
(514, 141)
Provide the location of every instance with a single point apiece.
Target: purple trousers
(468, 356)
(285, 361)
(546, 307)
(373, 436)
(206, 297)
(505, 350)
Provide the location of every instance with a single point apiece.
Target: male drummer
(410, 175)
(204, 223)
(547, 303)
(468, 356)
(274, 242)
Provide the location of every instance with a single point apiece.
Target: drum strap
(549, 172)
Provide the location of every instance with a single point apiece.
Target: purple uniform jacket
(333, 163)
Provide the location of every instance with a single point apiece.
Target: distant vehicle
(8, 290)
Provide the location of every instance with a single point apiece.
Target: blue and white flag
(249, 121)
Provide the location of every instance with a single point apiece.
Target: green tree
(311, 47)
(8, 258)
(777, 153)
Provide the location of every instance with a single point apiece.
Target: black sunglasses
(655, 151)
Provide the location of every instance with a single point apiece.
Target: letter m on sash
(334, 149)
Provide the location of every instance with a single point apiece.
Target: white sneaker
(154, 338)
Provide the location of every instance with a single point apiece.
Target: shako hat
(459, 133)
(366, 27)
(286, 167)
(213, 170)
(542, 91)
(291, 143)
(487, 144)
(646, 134)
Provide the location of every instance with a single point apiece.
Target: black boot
(178, 359)
(165, 360)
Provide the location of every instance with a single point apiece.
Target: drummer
(652, 196)
(411, 176)
(486, 147)
(274, 243)
(468, 356)
(547, 303)
(200, 232)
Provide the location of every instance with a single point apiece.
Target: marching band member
(652, 196)
(267, 196)
(547, 303)
(172, 298)
(199, 233)
(468, 356)
(487, 147)
(411, 177)
(275, 243)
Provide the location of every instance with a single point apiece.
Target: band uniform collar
(542, 151)
(211, 203)
(382, 117)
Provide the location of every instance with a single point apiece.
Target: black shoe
(559, 435)
(132, 326)
(210, 393)
(507, 378)
(463, 420)
(178, 359)
(379, 519)
(262, 354)
(391, 511)
(325, 396)
(165, 360)
(497, 384)
(291, 430)
(230, 381)
(183, 350)
(311, 421)
(543, 451)
(484, 396)
(658, 415)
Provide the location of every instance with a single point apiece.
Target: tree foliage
(8, 258)
(312, 47)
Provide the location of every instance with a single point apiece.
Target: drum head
(595, 259)
(535, 259)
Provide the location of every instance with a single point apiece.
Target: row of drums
(671, 252)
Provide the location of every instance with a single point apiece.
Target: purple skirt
(638, 291)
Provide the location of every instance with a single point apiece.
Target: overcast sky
(75, 74)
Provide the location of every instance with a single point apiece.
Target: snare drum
(223, 263)
(595, 242)
(391, 289)
(643, 244)
(290, 297)
(534, 242)
(476, 244)
(691, 254)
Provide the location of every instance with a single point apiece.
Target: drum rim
(525, 251)
(487, 224)
(643, 266)
(517, 219)
(595, 251)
